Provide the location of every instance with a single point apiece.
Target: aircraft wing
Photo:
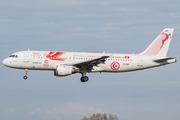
(88, 64)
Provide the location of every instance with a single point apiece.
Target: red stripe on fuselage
(55, 56)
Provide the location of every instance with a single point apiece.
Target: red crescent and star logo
(115, 65)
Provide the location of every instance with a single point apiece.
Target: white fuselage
(45, 60)
(67, 63)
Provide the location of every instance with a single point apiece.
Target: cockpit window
(14, 56)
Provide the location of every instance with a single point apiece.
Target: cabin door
(26, 56)
(140, 61)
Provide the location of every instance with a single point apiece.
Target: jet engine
(64, 70)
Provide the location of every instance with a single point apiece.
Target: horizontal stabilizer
(165, 60)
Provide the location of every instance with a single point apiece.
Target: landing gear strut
(26, 72)
(84, 78)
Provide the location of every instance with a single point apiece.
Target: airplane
(67, 63)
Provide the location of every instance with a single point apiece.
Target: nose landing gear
(26, 72)
(25, 77)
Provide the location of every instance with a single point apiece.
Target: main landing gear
(26, 72)
(84, 78)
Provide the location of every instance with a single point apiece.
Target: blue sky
(88, 26)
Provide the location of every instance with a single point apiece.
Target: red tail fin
(159, 47)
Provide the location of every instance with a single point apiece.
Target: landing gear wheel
(25, 77)
(26, 72)
(84, 79)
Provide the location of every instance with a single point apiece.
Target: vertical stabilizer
(160, 46)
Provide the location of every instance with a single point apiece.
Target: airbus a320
(67, 63)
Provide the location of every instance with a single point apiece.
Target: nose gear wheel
(25, 77)
(26, 72)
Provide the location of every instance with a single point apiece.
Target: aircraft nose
(5, 62)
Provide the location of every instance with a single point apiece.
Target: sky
(88, 26)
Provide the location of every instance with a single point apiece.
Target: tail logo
(157, 45)
(115, 65)
(166, 38)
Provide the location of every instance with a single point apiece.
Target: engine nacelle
(63, 70)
